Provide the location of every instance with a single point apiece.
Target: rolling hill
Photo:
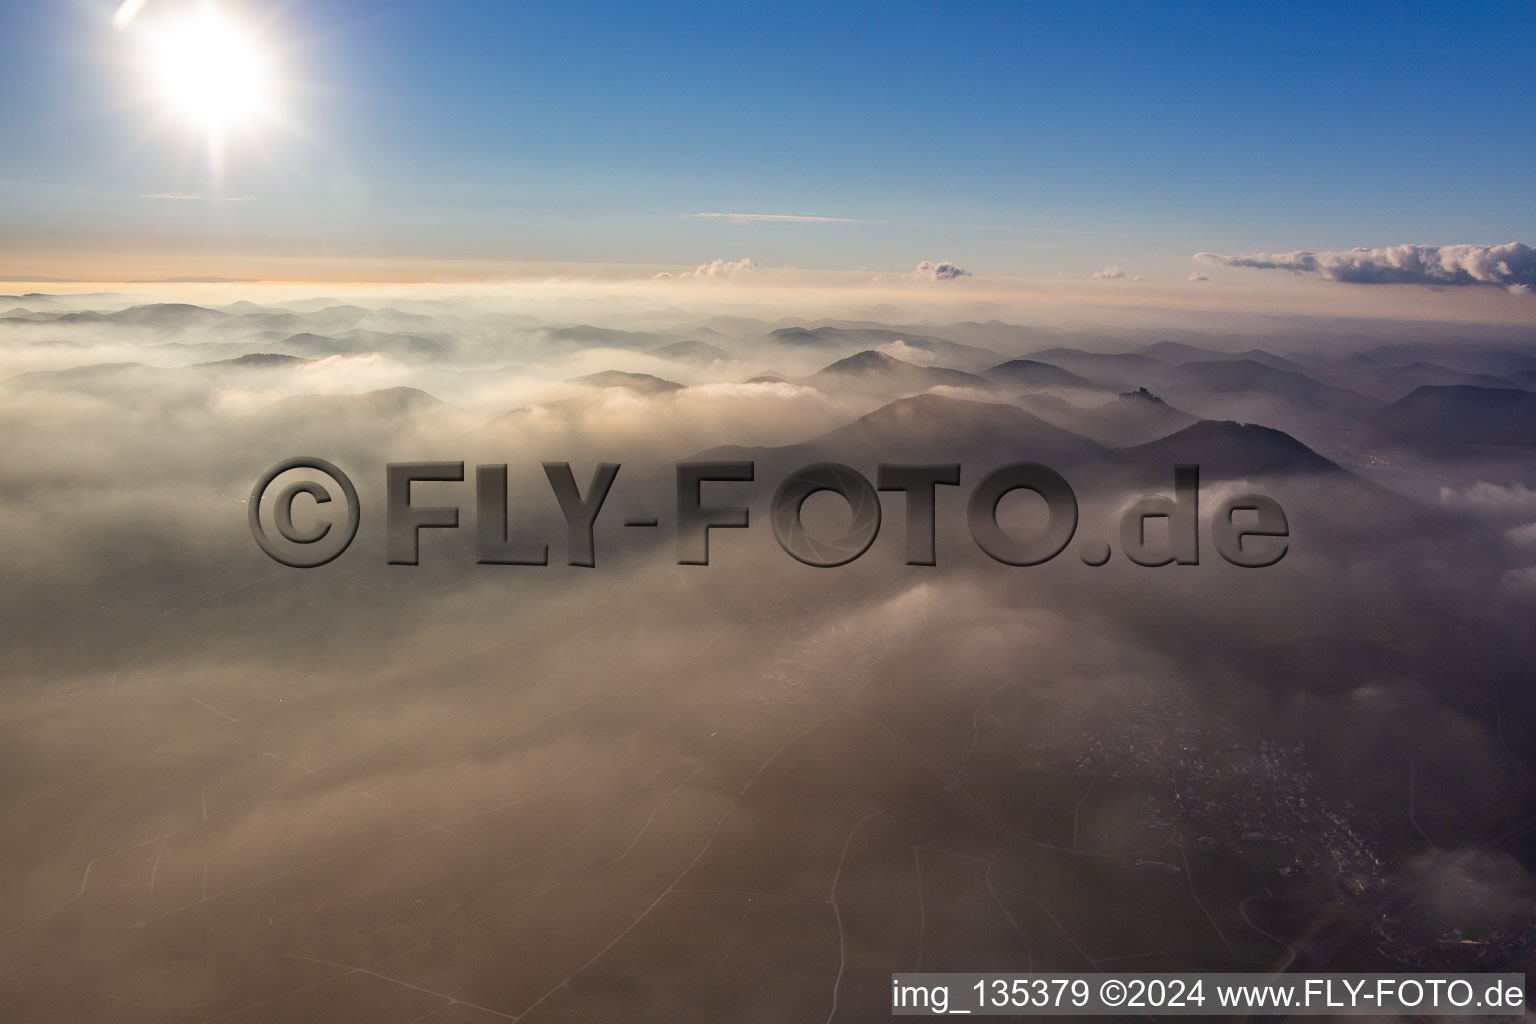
(875, 373)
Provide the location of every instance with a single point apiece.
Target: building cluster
(1222, 789)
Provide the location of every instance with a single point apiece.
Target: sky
(1016, 140)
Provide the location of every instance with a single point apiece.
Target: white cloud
(1511, 266)
(1493, 498)
(899, 349)
(939, 270)
(727, 268)
(1198, 277)
(1109, 273)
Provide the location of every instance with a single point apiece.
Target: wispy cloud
(1511, 266)
(1033, 229)
(1109, 273)
(775, 218)
(1070, 231)
(196, 196)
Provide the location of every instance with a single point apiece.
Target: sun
(210, 70)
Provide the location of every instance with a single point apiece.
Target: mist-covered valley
(235, 790)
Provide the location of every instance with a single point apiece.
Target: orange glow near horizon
(796, 290)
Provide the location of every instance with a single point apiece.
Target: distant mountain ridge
(1035, 375)
(946, 353)
(1440, 417)
(874, 372)
(644, 383)
(1134, 417)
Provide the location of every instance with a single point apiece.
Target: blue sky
(1014, 139)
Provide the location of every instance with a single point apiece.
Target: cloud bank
(205, 755)
(1511, 266)
(1491, 498)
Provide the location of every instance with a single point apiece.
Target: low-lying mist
(235, 790)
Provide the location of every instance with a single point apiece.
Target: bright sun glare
(210, 70)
